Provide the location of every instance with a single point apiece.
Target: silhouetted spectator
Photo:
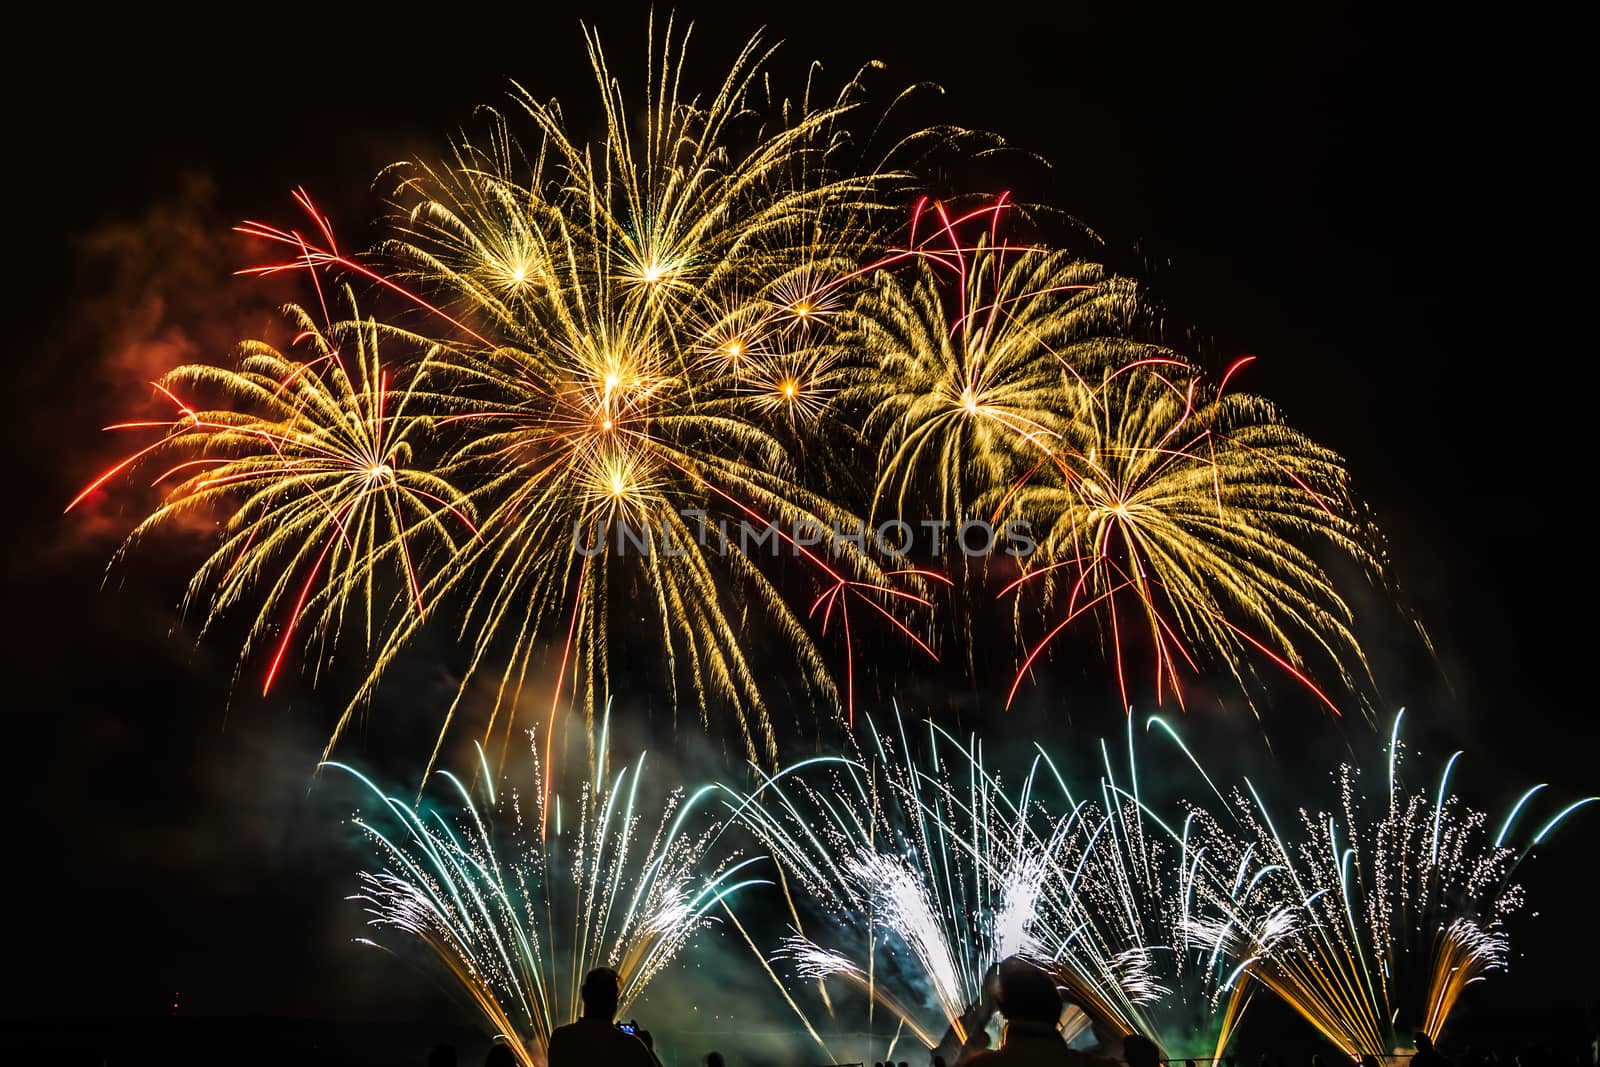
(1031, 1005)
(442, 1056)
(1427, 1055)
(1369, 1060)
(500, 1056)
(1140, 1051)
(713, 1059)
(1188, 1063)
(593, 1039)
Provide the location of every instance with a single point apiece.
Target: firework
(1010, 381)
(631, 336)
(1388, 909)
(1149, 894)
(315, 470)
(518, 914)
(1188, 518)
(626, 362)
(925, 874)
(961, 359)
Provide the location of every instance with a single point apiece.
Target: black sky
(1392, 209)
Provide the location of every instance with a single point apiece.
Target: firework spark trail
(1383, 919)
(518, 916)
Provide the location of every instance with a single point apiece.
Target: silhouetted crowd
(1024, 996)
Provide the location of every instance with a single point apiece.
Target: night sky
(1392, 210)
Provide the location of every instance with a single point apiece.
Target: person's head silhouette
(442, 1056)
(1027, 994)
(713, 1059)
(1140, 1051)
(1424, 1042)
(499, 1056)
(1369, 1060)
(600, 990)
